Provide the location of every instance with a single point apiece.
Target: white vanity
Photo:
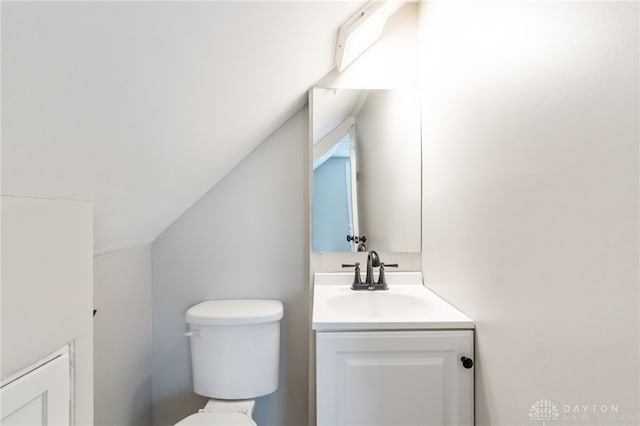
(401, 356)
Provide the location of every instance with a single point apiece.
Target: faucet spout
(373, 261)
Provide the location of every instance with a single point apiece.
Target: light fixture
(363, 29)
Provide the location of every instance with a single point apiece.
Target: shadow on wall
(142, 413)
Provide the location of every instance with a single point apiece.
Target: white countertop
(407, 305)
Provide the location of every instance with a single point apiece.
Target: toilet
(235, 355)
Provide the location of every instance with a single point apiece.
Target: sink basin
(376, 304)
(407, 305)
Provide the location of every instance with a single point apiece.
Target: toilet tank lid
(235, 312)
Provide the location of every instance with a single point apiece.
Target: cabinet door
(40, 397)
(394, 378)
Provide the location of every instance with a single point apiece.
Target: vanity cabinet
(399, 377)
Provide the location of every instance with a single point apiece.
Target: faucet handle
(357, 279)
(382, 283)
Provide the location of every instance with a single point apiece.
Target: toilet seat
(216, 419)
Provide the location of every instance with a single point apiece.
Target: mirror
(367, 176)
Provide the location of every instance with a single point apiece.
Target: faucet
(373, 261)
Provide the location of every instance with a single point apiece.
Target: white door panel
(39, 397)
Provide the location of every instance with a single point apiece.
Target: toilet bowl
(218, 419)
(235, 356)
(222, 413)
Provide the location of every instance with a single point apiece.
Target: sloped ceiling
(141, 107)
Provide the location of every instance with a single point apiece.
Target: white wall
(388, 135)
(114, 85)
(47, 296)
(122, 337)
(530, 223)
(246, 238)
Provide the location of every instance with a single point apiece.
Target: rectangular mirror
(367, 176)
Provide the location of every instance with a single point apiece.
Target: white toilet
(235, 353)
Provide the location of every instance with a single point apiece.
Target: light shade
(362, 30)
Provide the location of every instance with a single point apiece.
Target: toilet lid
(235, 312)
(216, 419)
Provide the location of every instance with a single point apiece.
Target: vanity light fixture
(363, 29)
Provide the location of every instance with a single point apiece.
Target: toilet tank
(235, 347)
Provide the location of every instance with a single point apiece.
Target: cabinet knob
(466, 362)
